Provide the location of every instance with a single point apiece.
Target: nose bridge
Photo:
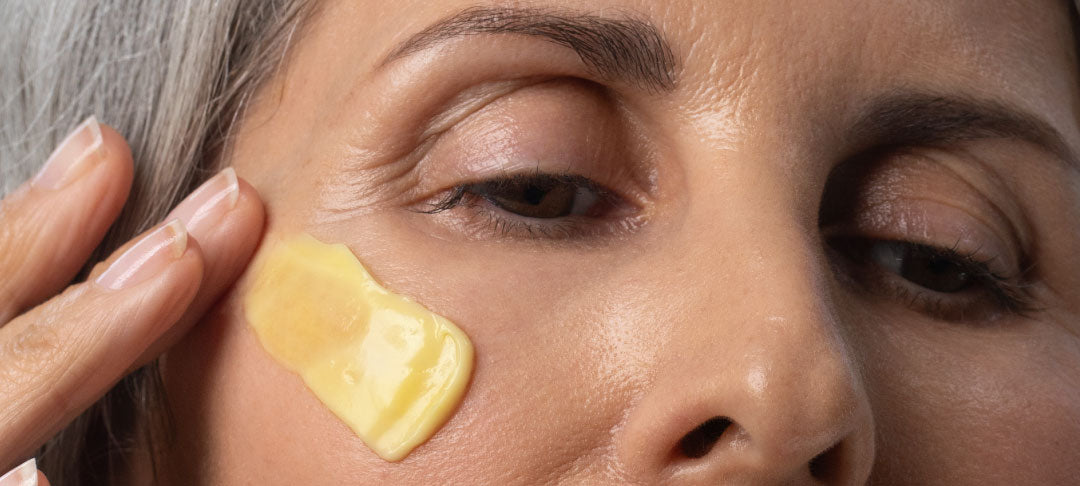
(761, 354)
(787, 376)
(783, 370)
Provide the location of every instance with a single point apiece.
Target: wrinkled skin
(711, 287)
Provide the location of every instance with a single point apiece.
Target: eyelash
(1006, 294)
(488, 216)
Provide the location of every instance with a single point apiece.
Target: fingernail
(24, 475)
(71, 157)
(209, 203)
(148, 257)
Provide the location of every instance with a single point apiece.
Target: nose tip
(811, 425)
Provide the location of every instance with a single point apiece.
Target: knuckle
(33, 362)
(30, 351)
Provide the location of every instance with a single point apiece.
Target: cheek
(1007, 412)
(233, 404)
(554, 371)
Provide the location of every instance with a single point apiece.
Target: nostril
(823, 465)
(698, 442)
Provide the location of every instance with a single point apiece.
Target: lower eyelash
(1014, 297)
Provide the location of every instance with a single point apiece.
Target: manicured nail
(24, 475)
(209, 203)
(151, 255)
(72, 157)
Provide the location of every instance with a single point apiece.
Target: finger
(226, 216)
(61, 356)
(51, 224)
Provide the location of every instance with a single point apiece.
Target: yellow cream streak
(390, 369)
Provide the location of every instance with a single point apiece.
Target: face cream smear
(390, 369)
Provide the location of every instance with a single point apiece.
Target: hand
(61, 351)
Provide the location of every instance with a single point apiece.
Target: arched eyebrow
(914, 119)
(621, 49)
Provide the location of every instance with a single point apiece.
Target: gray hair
(172, 77)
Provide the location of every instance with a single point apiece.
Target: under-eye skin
(538, 205)
(944, 283)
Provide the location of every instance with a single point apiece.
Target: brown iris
(539, 196)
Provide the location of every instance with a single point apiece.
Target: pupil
(534, 197)
(935, 273)
(939, 266)
(534, 194)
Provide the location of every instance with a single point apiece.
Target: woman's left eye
(941, 282)
(540, 196)
(926, 267)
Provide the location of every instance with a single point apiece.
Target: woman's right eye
(540, 206)
(541, 196)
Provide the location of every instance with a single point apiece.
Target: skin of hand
(62, 347)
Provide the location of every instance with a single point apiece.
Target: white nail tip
(26, 474)
(91, 124)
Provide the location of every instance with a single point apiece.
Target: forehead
(705, 33)
(824, 54)
(746, 58)
(1006, 41)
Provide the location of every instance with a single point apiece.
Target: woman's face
(847, 231)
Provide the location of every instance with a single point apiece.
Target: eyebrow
(623, 49)
(912, 119)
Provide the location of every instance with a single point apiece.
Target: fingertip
(164, 298)
(109, 181)
(55, 220)
(117, 152)
(228, 251)
(189, 267)
(251, 203)
(229, 244)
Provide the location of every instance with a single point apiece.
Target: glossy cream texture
(386, 366)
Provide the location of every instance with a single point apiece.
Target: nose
(759, 388)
